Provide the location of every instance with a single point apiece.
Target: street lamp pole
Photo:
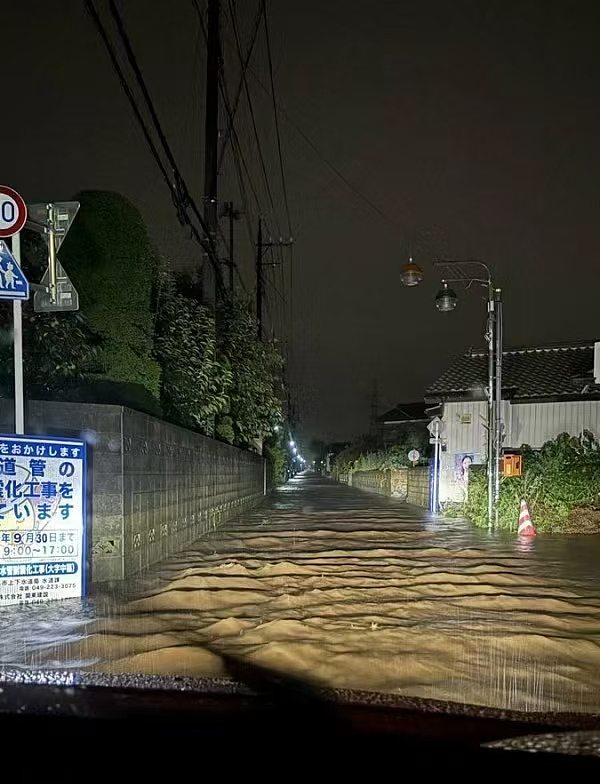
(490, 335)
(468, 272)
(499, 422)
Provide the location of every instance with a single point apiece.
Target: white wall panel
(536, 423)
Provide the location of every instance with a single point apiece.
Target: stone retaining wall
(153, 487)
(409, 484)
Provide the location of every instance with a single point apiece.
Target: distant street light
(468, 272)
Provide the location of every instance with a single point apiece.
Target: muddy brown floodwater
(348, 589)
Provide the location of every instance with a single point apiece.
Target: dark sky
(474, 127)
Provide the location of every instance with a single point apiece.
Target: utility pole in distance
(211, 118)
(260, 264)
(259, 281)
(233, 215)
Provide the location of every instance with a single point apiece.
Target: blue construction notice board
(42, 519)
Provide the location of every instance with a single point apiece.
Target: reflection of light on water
(27, 630)
(525, 544)
(351, 590)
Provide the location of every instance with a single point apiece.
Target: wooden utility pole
(260, 265)
(259, 282)
(211, 118)
(232, 214)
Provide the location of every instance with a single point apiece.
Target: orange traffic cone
(525, 525)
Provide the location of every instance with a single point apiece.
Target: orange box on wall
(511, 465)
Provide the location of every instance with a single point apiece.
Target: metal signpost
(42, 479)
(67, 297)
(414, 456)
(42, 519)
(13, 284)
(53, 220)
(435, 429)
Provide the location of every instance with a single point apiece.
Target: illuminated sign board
(42, 519)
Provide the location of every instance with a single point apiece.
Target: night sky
(474, 127)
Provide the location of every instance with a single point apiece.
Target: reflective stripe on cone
(525, 525)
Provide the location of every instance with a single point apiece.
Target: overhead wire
(238, 92)
(332, 166)
(284, 327)
(276, 116)
(234, 140)
(179, 191)
(238, 44)
(126, 89)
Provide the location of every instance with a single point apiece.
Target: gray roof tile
(542, 372)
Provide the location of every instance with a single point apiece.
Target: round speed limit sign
(13, 212)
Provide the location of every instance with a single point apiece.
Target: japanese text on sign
(42, 517)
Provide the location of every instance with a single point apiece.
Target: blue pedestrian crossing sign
(13, 284)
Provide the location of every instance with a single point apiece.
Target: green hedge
(560, 482)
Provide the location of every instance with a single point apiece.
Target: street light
(411, 274)
(469, 272)
(445, 299)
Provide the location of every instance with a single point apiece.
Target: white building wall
(525, 423)
(536, 423)
(463, 432)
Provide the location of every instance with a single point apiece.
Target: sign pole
(18, 347)
(51, 254)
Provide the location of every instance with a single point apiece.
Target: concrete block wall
(177, 486)
(407, 484)
(399, 482)
(418, 486)
(153, 487)
(373, 481)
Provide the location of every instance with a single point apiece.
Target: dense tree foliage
(141, 327)
(56, 346)
(111, 261)
(195, 383)
(254, 392)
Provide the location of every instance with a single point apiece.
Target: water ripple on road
(351, 590)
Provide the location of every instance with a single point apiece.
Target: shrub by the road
(560, 482)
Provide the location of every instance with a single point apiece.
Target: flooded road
(353, 590)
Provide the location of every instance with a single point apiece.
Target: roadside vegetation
(560, 482)
(143, 336)
(364, 454)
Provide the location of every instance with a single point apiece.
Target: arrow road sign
(64, 214)
(435, 426)
(13, 284)
(13, 212)
(67, 297)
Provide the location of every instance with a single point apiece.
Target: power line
(179, 191)
(234, 140)
(240, 86)
(323, 157)
(126, 89)
(251, 110)
(275, 114)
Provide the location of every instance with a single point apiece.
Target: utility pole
(232, 214)
(259, 281)
(260, 265)
(211, 119)
(231, 262)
